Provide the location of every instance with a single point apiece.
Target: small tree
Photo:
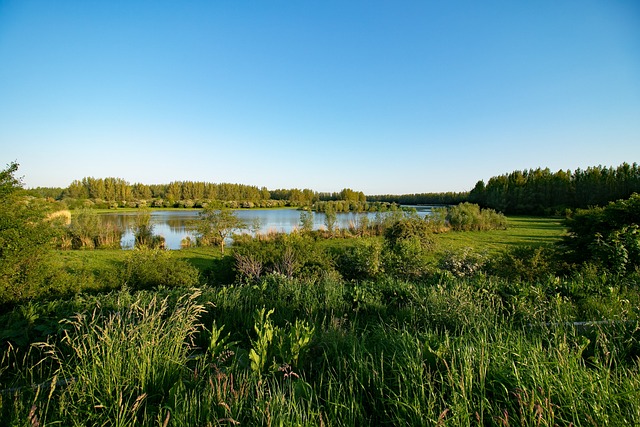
(330, 219)
(214, 226)
(306, 221)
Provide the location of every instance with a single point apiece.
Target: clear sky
(379, 96)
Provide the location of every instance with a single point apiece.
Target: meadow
(462, 328)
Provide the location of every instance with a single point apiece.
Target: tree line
(116, 192)
(534, 191)
(541, 191)
(447, 198)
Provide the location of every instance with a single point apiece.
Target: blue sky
(379, 96)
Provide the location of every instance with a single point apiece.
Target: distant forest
(538, 191)
(116, 192)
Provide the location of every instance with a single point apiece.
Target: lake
(173, 224)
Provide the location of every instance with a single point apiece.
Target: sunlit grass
(532, 231)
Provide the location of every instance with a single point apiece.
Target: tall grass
(327, 352)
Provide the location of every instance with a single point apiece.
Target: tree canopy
(215, 225)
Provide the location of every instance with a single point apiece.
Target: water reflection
(174, 225)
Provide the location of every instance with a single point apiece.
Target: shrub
(469, 217)
(408, 258)
(524, 263)
(410, 228)
(151, 268)
(607, 236)
(292, 255)
(362, 260)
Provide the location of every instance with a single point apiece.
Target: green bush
(410, 228)
(151, 268)
(608, 236)
(469, 217)
(360, 261)
(88, 231)
(407, 258)
(26, 237)
(292, 255)
(525, 263)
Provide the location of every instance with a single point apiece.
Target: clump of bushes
(292, 255)
(469, 217)
(360, 261)
(606, 236)
(152, 268)
(525, 263)
(408, 243)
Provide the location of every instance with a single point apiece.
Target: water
(173, 225)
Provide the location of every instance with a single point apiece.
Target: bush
(608, 236)
(469, 217)
(25, 237)
(292, 255)
(525, 263)
(410, 228)
(151, 268)
(360, 261)
(408, 258)
(88, 231)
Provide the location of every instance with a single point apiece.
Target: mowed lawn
(521, 231)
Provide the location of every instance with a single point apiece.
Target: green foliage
(292, 255)
(277, 349)
(409, 241)
(525, 263)
(411, 227)
(214, 226)
(9, 183)
(384, 352)
(469, 217)
(152, 268)
(541, 192)
(407, 258)
(123, 362)
(330, 220)
(143, 229)
(361, 260)
(88, 231)
(306, 221)
(26, 236)
(261, 351)
(607, 236)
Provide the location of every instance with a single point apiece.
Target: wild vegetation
(401, 321)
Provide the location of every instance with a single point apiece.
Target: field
(434, 346)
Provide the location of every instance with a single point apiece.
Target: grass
(532, 231)
(322, 351)
(449, 354)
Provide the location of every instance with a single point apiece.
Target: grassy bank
(292, 352)
(174, 338)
